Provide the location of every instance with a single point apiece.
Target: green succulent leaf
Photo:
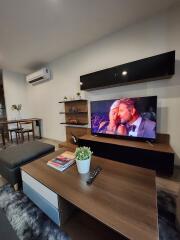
(83, 153)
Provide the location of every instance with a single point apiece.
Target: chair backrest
(26, 124)
(12, 125)
(2, 134)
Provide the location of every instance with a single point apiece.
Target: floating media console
(161, 66)
(157, 156)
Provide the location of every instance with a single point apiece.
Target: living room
(77, 38)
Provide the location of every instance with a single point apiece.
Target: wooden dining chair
(2, 135)
(15, 128)
(26, 127)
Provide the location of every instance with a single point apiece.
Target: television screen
(125, 117)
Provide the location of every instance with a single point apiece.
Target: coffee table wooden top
(122, 196)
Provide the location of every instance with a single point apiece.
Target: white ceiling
(34, 32)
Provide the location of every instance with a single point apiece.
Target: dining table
(4, 123)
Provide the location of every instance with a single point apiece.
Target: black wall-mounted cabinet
(161, 66)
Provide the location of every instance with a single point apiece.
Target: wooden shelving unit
(73, 112)
(76, 119)
(76, 112)
(74, 101)
(70, 123)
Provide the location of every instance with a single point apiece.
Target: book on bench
(63, 161)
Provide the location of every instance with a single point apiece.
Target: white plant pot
(83, 166)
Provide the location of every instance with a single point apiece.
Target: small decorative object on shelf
(73, 121)
(78, 94)
(73, 110)
(65, 98)
(83, 159)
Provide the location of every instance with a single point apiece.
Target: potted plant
(78, 94)
(65, 98)
(83, 159)
(18, 108)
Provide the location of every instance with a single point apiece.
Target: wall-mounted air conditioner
(38, 76)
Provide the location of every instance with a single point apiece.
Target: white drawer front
(40, 189)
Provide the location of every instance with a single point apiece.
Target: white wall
(15, 90)
(141, 40)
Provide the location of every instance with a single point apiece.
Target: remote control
(93, 175)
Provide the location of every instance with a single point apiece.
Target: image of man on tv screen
(124, 119)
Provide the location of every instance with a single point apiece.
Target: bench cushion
(22, 153)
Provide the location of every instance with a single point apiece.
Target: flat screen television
(131, 118)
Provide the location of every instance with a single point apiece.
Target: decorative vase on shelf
(78, 95)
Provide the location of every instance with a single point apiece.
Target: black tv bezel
(140, 139)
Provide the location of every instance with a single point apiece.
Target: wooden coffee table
(123, 197)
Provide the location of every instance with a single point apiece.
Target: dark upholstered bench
(12, 158)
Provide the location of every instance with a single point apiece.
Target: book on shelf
(62, 161)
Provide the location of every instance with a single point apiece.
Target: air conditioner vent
(39, 76)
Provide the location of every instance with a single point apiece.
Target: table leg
(38, 124)
(3, 138)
